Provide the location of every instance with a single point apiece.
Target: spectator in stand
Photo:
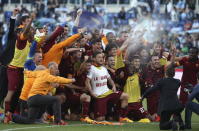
(2, 2)
(174, 15)
(40, 6)
(156, 7)
(122, 16)
(52, 4)
(168, 8)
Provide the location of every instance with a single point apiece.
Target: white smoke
(147, 29)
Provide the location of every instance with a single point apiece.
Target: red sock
(7, 106)
(123, 112)
(85, 108)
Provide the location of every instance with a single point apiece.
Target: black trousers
(36, 105)
(3, 82)
(193, 106)
(165, 122)
(23, 108)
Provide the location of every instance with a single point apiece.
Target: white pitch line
(37, 127)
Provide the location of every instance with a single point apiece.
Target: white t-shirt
(99, 77)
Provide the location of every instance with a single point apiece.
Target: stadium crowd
(56, 70)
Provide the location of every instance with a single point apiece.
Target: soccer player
(59, 49)
(152, 74)
(169, 103)
(130, 75)
(83, 98)
(7, 55)
(190, 69)
(16, 66)
(96, 83)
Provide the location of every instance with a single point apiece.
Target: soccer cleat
(7, 118)
(2, 117)
(181, 126)
(174, 126)
(50, 118)
(145, 120)
(157, 119)
(188, 127)
(104, 123)
(125, 120)
(88, 120)
(61, 123)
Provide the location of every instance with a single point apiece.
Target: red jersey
(190, 69)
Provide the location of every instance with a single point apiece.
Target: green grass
(79, 126)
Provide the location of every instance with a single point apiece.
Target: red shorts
(15, 78)
(136, 110)
(100, 104)
(152, 102)
(74, 103)
(72, 100)
(183, 96)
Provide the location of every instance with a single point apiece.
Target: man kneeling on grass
(169, 102)
(38, 97)
(96, 83)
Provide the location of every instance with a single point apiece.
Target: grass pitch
(79, 126)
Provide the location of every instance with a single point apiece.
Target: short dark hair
(194, 48)
(109, 34)
(122, 32)
(94, 41)
(96, 53)
(108, 56)
(154, 56)
(131, 58)
(23, 18)
(170, 71)
(109, 47)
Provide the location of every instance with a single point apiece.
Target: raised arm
(10, 34)
(12, 23)
(28, 26)
(69, 41)
(79, 13)
(50, 40)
